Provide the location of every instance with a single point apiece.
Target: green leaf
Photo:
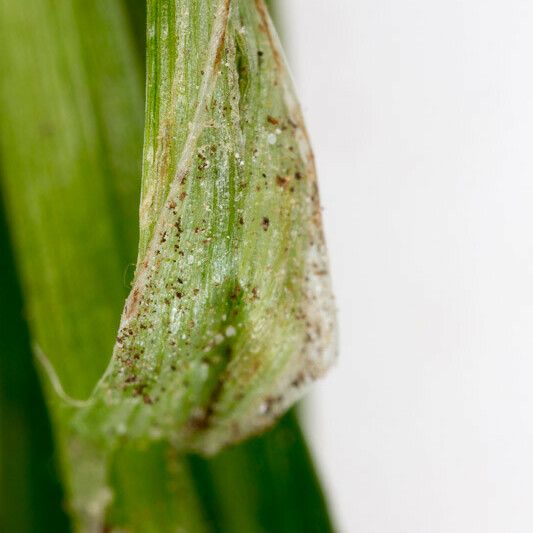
(70, 139)
(266, 484)
(30, 494)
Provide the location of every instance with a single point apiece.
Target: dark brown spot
(234, 294)
(281, 181)
(147, 400)
(298, 380)
(198, 420)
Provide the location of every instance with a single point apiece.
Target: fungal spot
(299, 380)
(147, 400)
(235, 293)
(281, 181)
(265, 223)
(198, 420)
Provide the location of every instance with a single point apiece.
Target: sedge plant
(228, 313)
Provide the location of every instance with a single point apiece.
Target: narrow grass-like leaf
(30, 494)
(266, 484)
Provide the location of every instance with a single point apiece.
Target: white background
(421, 115)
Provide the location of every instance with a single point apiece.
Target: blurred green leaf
(30, 493)
(267, 484)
